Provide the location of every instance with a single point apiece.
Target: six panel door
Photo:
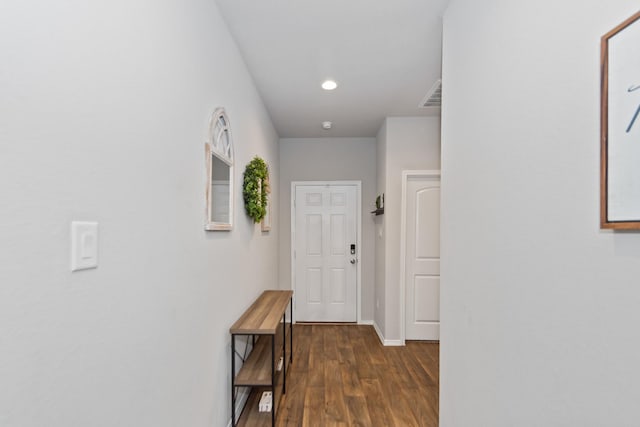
(324, 267)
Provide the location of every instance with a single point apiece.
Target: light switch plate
(84, 245)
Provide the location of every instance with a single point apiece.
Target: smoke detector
(326, 125)
(433, 97)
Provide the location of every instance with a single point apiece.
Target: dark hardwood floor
(343, 376)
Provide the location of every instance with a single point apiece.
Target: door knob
(353, 261)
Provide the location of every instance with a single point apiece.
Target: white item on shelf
(265, 402)
(280, 363)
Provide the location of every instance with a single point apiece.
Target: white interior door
(325, 269)
(422, 258)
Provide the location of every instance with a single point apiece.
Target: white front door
(422, 259)
(324, 251)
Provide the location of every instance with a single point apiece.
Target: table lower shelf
(251, 416)
(256, 370)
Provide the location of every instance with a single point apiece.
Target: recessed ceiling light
(326, 125)
(329, 85)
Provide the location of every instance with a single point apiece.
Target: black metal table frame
(273, 365)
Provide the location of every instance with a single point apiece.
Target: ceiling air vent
(434, 96)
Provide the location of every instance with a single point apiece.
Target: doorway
(420, 255)
(325, 249)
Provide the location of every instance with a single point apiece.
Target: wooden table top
(264, 315)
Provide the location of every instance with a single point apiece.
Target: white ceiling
(385, 56)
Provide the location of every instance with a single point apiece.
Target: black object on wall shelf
(379, 205)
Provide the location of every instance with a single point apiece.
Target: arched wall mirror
(219, 191)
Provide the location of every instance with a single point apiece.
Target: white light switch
(84, 245)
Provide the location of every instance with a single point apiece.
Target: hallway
(342, 375)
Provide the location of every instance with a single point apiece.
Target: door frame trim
(406, 175)
(358, 185)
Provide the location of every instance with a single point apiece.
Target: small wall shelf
(379, 205)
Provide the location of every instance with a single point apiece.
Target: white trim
(406, 174)
(377, 329)
(292, 245)
(385, 342)
(358, 185)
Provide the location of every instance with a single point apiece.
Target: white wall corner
(385, 342)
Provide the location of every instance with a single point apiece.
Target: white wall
(539, 307)
(403, 143)
(381, 254)
(412, 143)
(104, 112)
(331, 159)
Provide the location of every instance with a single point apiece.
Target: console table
(265, 322)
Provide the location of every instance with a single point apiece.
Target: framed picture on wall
(620, 127)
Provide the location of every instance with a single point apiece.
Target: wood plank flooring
(343, 376)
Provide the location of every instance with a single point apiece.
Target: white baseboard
(365, 322)
(377, 329)
(386, 342)
(243, 395)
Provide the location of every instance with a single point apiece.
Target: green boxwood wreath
(256, 188)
